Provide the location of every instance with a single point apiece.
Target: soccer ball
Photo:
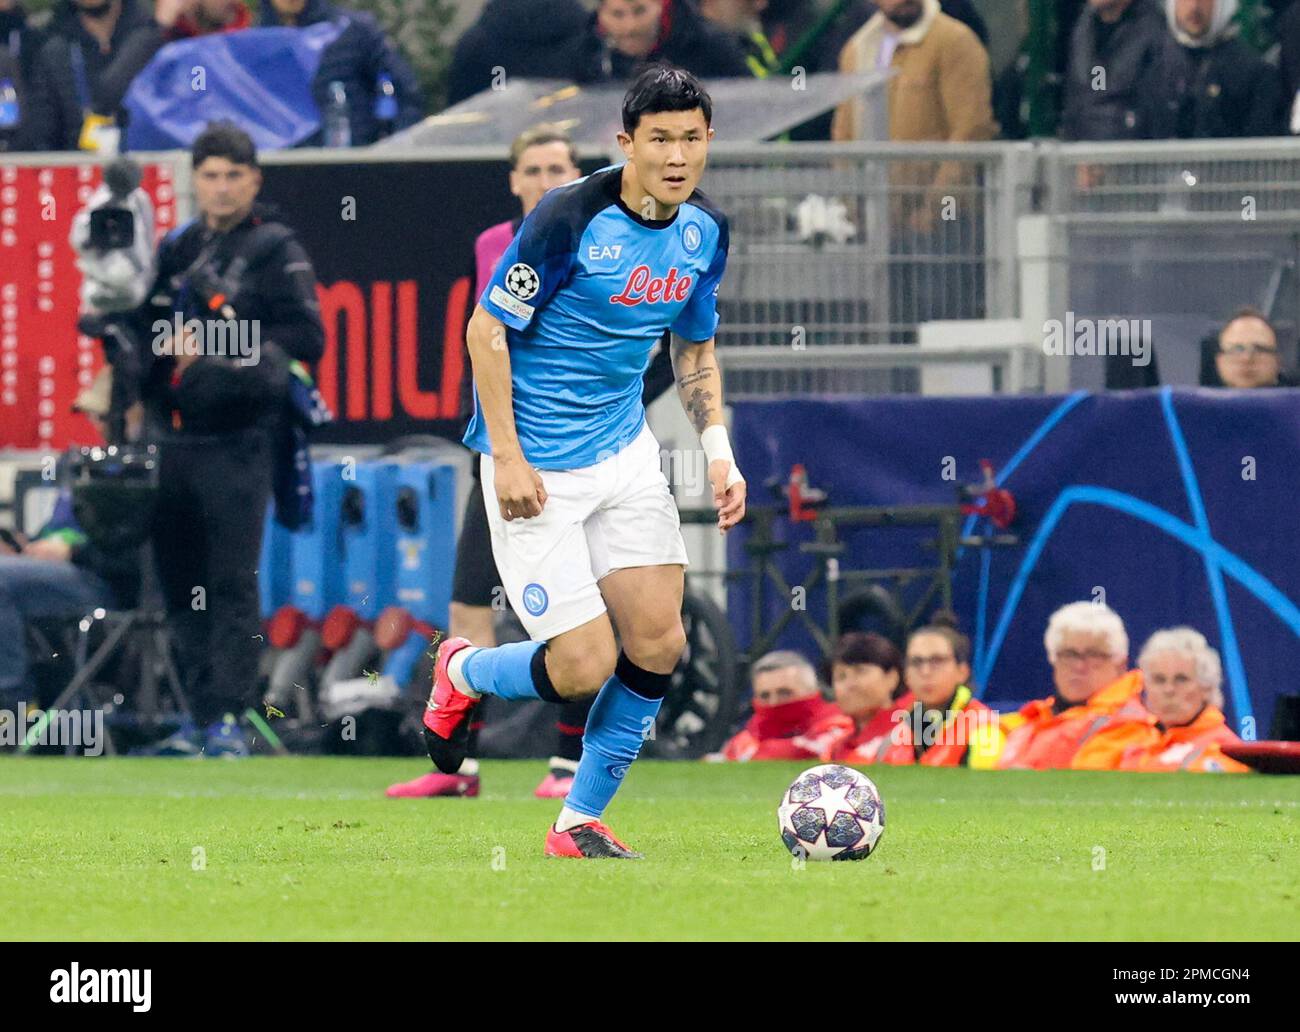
(831, 812)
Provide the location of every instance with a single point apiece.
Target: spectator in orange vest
(791, 720)
(946, 726)
(867, 678)
(1087, 646)
(1183, 727)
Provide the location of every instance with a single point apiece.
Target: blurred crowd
(918, 705)
(1115, 69)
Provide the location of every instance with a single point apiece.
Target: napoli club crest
(692, 239)
(535, 599)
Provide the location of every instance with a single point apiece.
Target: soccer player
(541, 158)
(584, 526)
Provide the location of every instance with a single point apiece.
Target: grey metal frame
(1031, 209)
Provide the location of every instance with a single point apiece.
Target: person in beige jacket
(941, 90)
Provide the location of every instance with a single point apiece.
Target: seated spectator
(1246, 354)
(1088, 648)
(363, 61)
(946, 725)
(93, 51)
(1110, 76)
(867, 677)
(623, 35)
(791, 720)
(1210, 84)
(511, 41)
(1183, 727)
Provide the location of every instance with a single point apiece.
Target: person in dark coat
(525, 39)
(362, 59)
(1287, 28)
(1209, 83)
(19, 37)
(236, 272)
(1114, 50)
(19, 42)
(623, 35)
(84, 67)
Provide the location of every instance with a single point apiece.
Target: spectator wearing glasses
(1246, 354)
(791, 720)
(1087, 647)
(946, 725)
(1182, 727)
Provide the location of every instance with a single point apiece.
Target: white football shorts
(616, 514)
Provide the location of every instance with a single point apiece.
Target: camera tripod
(109, 484)
(140, 633)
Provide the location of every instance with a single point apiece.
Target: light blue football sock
(510, 671)
(619, 722)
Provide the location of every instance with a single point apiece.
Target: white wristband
(717, 446)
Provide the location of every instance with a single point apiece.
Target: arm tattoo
(699, 374)
(699, 407)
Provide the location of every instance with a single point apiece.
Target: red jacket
(868, 743)
(789, 731)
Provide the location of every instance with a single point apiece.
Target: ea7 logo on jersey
(604, 252)
(522, 281)
(642, 287)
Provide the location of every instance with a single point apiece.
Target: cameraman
(235, 273)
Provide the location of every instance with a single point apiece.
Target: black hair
(944, 623)
(858, 647)
(224, 140)
(855, 647)
(662, 87)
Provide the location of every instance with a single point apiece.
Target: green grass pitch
(309, 848)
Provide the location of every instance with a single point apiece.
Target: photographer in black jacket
(233, 304)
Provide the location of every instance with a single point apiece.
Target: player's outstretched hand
(729, 501)
(520, 491)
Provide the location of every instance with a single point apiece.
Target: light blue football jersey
(586, 289)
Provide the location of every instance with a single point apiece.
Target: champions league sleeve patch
(522, 281)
